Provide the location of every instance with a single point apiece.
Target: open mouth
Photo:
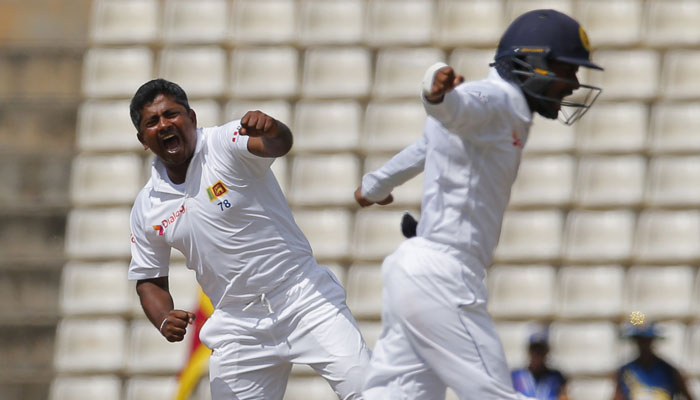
(171, 143)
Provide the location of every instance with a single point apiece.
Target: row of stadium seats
(379, 23)
(583, 236)
(591, 182)
(388, 126)
(357, 72)
(537, 291)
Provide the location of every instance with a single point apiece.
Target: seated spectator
(538, 380)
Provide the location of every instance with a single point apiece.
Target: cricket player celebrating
(213, 197)
(436, 328)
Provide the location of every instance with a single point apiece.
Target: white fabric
(240, 244)
(470, 152)
(253, 349)
(436, 331)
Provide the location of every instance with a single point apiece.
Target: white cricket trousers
(254, 345)
(436, 331)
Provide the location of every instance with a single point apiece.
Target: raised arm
(268, 136)
(158, 306)
(377, 185)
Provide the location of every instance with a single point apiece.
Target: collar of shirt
(158, 173)
(515, 94)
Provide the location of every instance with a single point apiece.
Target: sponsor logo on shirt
(516, 140)
(168, 221)
(216, 190)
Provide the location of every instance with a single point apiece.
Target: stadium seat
(584, 347)
(391, 126)
(477, 22)
(309, 388)
(90, 345)
(106, 179)
(617, 127)
(204, 21)
(605, 182)
(371, 331)
(327, 126)
(521, 291)
(278, 109)
(94, 289)
(672, 23)
(661, 292)
(694, 387)
(264, 22)
(201, 71)
(150, 352)
(364, 289)
(674, 128)
(678, 78)
(516, 8)
(106, 387)
(116, 72)
(473, 64)
(673, 181)
(324, 179)
(98, 233)
(549, 136)
(377, 233)
(208, 112)
(692, 359)
(543, 181)
(327, 230)
(665, 236)
(514, 337)
(629, 74)
(399, 72)
(280, 167)
(599, 236)
(591, 388)
(331, 22)
(409, 193)
(399, 22)
(530, 236)
(264, 72)
(124, 21)
(151, 388)
(106, 126)
(611, 23)
(336, 72)
(587, 292)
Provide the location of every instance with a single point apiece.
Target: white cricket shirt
(230, 220)
(470, 153)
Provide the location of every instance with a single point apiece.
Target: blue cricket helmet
(525, 51)
(550, 31)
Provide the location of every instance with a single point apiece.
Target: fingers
(363, 202)
(175, 326)
(257, 123)
(444, 80)
(389, 199)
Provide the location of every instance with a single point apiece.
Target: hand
(257, 123)
(444, 80)
(175, 325)
(363, 202)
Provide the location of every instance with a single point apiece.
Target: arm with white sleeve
(377, 185)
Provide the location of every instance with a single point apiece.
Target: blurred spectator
(648, 377)
(538, 379)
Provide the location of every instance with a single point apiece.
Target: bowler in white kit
(436, 331)
(213, 197)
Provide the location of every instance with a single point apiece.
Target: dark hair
(148, 92)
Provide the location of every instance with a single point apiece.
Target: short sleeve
(230, 149)
(150, 256)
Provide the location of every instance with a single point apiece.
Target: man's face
(169, 130)
(560, 89)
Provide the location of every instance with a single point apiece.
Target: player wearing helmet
(436, 330)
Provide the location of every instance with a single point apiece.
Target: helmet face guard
(535, 78)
